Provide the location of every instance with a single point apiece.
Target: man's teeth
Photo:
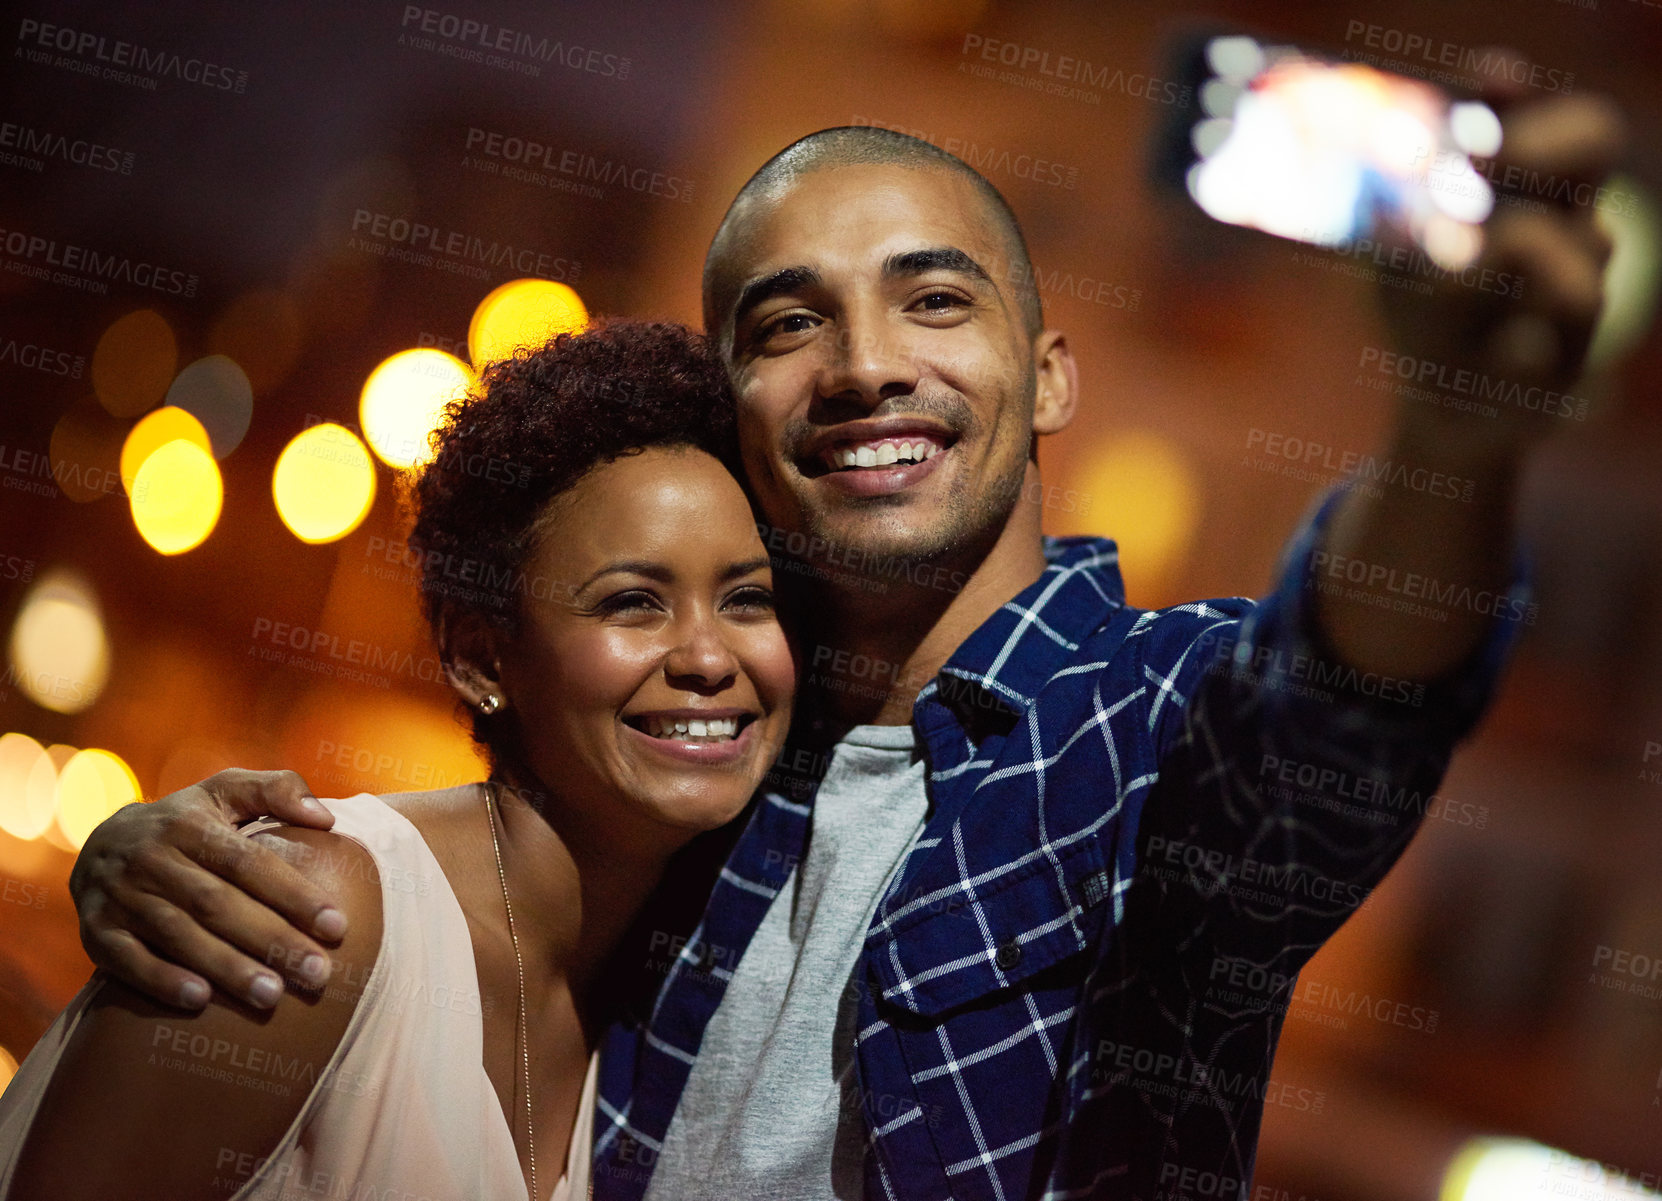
(883, 454)
(682, 728)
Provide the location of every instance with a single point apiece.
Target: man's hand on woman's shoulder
(174, 901)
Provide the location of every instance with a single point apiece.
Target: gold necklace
(519, 1026)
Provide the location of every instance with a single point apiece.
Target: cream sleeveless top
(405, 1103)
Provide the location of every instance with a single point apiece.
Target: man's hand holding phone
(1532, 345)
(1517, 352)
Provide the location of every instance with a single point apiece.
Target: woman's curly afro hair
(534, 426)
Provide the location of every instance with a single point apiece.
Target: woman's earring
(490, 703)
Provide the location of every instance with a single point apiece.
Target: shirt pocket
(955, 943)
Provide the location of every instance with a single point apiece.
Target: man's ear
(1057, 394)
(470, 649)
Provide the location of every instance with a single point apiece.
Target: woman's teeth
(683, 729)
(883, 454)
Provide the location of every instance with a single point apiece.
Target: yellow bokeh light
(91, 786)
(177, 496)
(1499, 1168)
(1142, 489)
(133, 363)
(60, 657)
(59, 753)
(403, 400)
(383, 743)
(522, 312)
(166, 424)
(8, 1068)
(28, 787)
(324, 483)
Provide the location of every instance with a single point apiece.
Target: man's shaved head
(847, 146)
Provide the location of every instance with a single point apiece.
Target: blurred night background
(218, 227)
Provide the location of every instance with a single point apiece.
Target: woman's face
(653, 684)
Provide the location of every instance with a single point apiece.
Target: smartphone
(1330, 152)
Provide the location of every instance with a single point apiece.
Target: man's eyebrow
(936, 258)
(787, 279)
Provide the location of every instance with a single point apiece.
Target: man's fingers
(224, 910)
(262, 870)
(1579, 139)
(176, 935)
(1543, 335)
(130, 961)
(1562, 267)
(242, 794)
(185, 848)
(1554, 148)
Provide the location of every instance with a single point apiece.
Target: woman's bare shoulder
(437, 810)
(198, 1098)
(416, 802)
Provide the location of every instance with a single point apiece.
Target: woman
(616, 646)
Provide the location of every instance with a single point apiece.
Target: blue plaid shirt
(1141, 825)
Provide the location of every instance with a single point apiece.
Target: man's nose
(870, 361)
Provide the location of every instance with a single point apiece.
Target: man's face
(883, 373)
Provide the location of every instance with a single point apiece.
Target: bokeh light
(1634, 272)
(1517, 1169)
(28, 787)
(324, 483)
(85, 450)
(177, 496)
(522, 312)
(8, 1068)
(60, 657)
(403, 400)
(134, 363)
(262, 332)
(91, 786)
(346, 743)
(1142, 487)
(216, 392)
(154, 431)
(59, 753)
(1236, 59)
(1475, 128)
(193, 757)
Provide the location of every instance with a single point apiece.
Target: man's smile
(872, 446)
(880, 452)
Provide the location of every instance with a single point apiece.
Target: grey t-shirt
(771, 1109)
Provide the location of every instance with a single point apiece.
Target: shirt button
(1008, 956)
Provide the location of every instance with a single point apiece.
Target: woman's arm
(147, 1101)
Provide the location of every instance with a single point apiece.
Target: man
(968, 943)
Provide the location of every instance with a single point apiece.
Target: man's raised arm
(1302, 741)
(172, 898)
(1302, 744)
(1382, 550)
